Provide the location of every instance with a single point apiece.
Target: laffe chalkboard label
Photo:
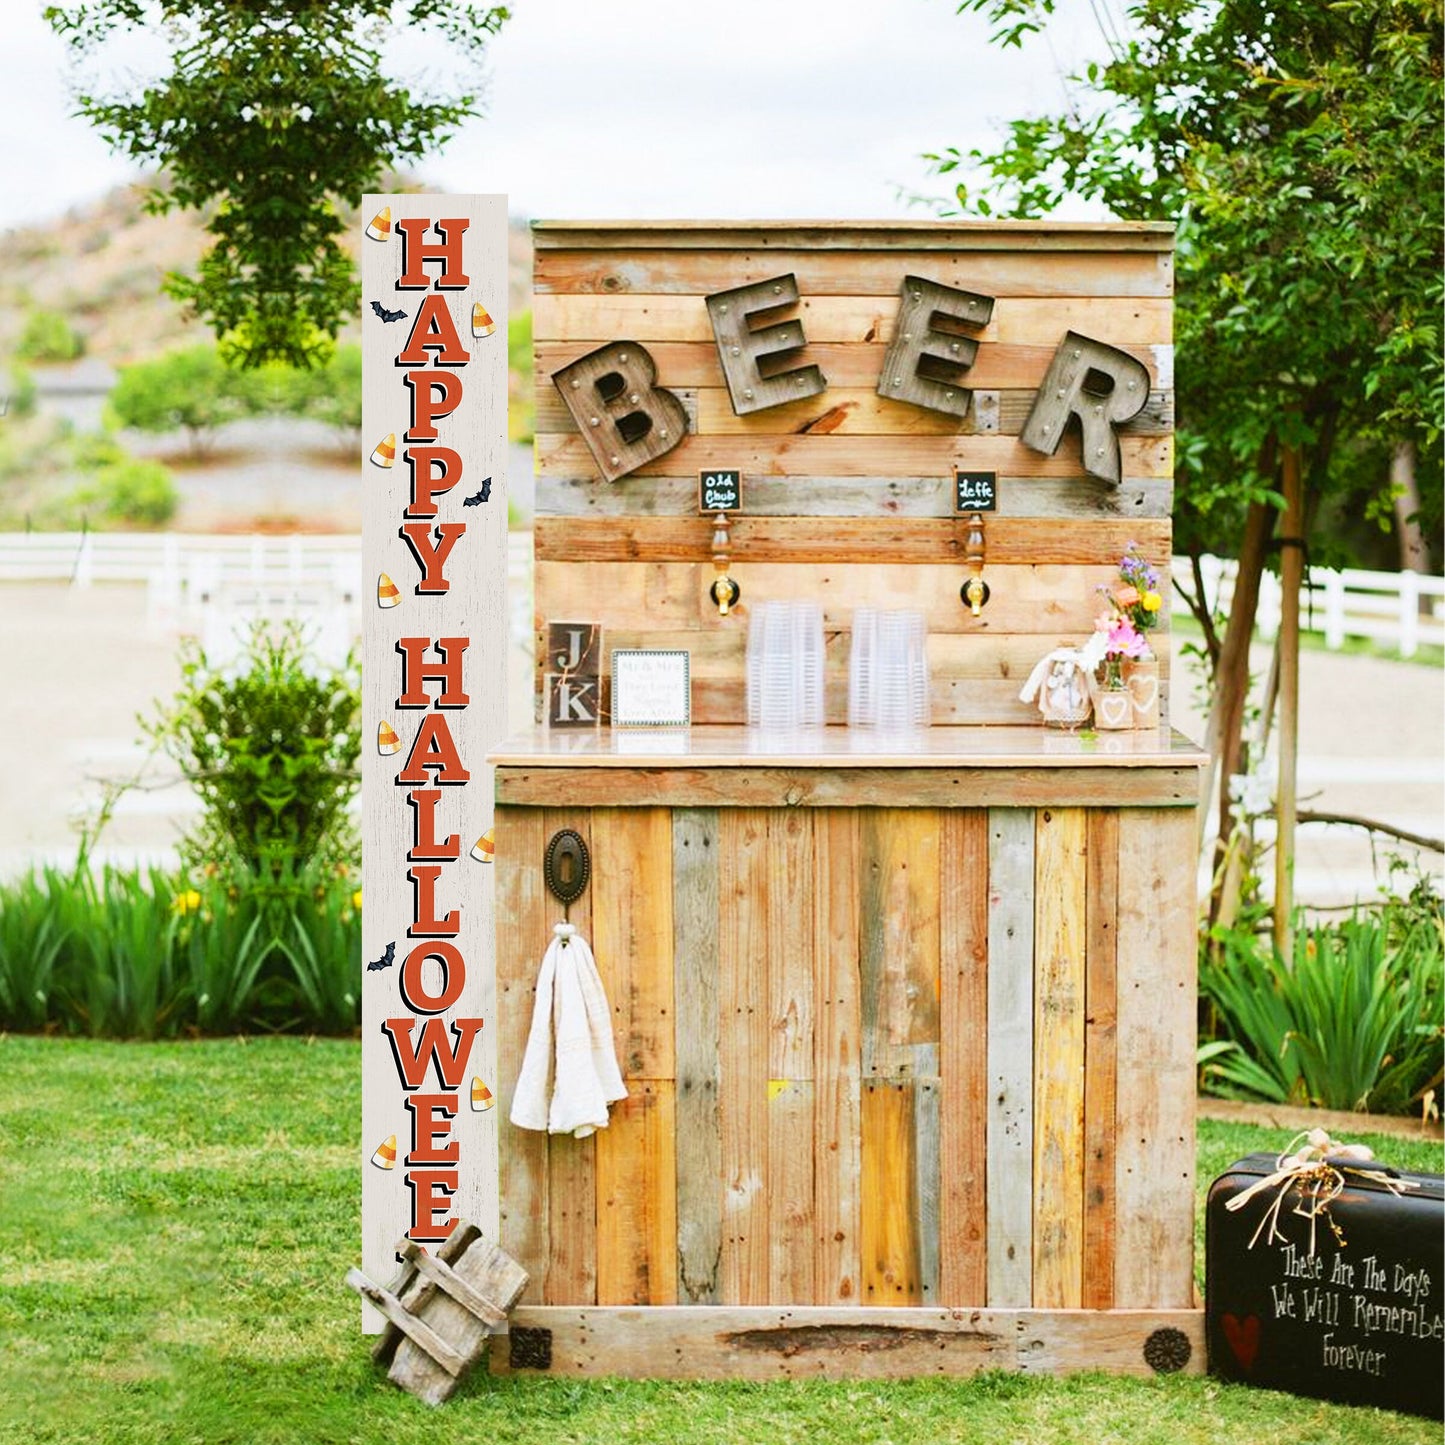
(720, 490)
(975, 491)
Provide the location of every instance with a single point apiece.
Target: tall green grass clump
(147, 954)
(1351, 1020)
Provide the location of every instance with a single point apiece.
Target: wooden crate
(847, 496)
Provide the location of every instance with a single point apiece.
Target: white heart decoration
(1114, 709)
(1145, 691)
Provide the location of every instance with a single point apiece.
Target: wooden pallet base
(781, 1342)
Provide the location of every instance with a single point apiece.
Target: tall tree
(1297, 145)
(274, 113)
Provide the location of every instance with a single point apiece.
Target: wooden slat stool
(442, 1310)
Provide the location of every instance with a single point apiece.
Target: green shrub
(329, 394)
(17, 394)
(271, 747)
(48, 336)
(131, 490)
(1351, 1021)
(191, 389)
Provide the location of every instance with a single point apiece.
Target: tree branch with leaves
(273, 116)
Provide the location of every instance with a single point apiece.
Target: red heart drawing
(1243, 1337)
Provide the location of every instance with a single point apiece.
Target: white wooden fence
(213, 585)
(190, 575)
(1401, 610)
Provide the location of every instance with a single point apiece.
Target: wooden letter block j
(625, 419)
(574, 666)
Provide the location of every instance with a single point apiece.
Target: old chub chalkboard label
(720, 490)
(975, 491)
(1359, 1318)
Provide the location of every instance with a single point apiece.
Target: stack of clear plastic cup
(888, 670)
(785, 665)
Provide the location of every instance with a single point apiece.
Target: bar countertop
(715, 746)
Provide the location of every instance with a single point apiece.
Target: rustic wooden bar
(907, 1023)
(908, 1035)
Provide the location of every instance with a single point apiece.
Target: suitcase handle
(1361, 1166)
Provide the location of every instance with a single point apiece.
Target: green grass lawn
(177, 1219)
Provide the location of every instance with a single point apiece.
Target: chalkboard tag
(975, 491)
(720, 491)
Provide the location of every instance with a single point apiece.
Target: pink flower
(1126, 596)
(1126, 641)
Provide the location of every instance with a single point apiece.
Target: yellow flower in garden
(186, 901)
(1152, 602)
(356, 900)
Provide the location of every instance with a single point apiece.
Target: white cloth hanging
(569, 1072)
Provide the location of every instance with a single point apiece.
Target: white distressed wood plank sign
(434, 509)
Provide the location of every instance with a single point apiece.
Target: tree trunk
(1222, 737)
(1414, 551)
(1291, 569)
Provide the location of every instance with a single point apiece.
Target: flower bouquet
(1126, 693)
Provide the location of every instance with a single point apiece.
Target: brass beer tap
(724, 591)
(975, 592)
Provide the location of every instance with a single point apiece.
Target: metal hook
(566, 869)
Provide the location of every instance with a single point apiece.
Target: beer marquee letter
(434, 507)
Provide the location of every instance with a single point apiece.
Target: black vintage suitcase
(1361, 1320)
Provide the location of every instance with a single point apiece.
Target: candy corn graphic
(388, 594)
(481, 1097)
(385, 1156)
(387, 741)
(385, 453)
(485, 848)
(380, 227)
(481, 321)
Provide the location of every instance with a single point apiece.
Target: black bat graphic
(485, 495)
(385, 961)
(387, 315)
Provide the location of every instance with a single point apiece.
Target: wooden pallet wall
(876, 1056)
(847, 496)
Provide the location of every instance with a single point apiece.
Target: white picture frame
(651, 688)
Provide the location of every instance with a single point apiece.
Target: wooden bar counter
(908, 1034)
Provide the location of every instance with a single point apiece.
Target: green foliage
(521, 399)
(271, 748)
(130, 490)
(48, 336)
(191, 388)
(1297, 146)
(519, 343)
(329, 393)
(272, 113)
(1350, 1021)
(18, 397)
(145, 954)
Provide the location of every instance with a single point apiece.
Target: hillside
(102, 265)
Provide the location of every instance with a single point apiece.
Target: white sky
(643, 108)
